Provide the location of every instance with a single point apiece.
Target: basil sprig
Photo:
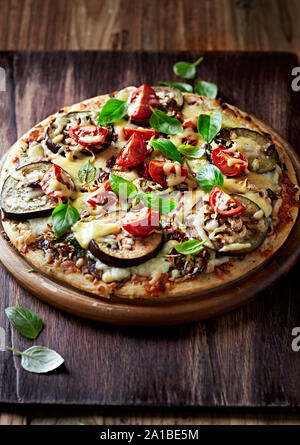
(39, 359)
(155, 202)
(164, 124)
(209, 125)
(167, 148)
(190, 151)
(186, 70)
(87, 172)
(209, 176)
(207, 89)
(181, 86)
(27, 322)
(122, 187)
(126, 189)
(190, 247)
(63, 217)
(112, 111)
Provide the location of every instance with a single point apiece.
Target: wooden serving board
(243, 358)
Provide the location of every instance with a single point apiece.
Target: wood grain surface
(146, 24)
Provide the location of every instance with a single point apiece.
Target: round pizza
(148, 192)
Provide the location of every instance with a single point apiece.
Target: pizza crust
(201, 283)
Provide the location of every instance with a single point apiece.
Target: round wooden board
(157, 311)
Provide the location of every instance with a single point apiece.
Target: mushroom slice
(170, 99)
(257, 148)
(127, 252)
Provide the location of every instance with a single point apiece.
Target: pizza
(148, 192)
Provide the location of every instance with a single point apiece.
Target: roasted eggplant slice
(22, 197)
(127, 253)
(257, 148)
(58, 139)
(170, 99)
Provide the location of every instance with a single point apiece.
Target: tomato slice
(145, 133)
(223, 203)
(141, 222)
(141, 100)
(102, 197)
(133, 153)
(167, 173)
(230, 163)
(56, 183)
(89, 135)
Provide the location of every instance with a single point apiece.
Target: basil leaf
(39, 359)
(209, 176)
(165, 124)
(87, 172)
(63, 217)
(191, 152)
(209, 126)
(207, 89)
(122, 187)
(181, 86)
(27, 322)
(112, 111)
(155, 202)
(186, 70)
(190, 247)
(167, 148)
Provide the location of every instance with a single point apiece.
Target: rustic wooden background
(148, 25)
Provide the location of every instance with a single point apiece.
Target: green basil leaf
(165, 124)
(155, 202)
(209, 176)
(209, 126)
(167, 148)
(191, 152)
(112, 111)
(181, 86)
(122, 187)
(207, 89)
(63, 217)
(39, 359)
(186, 70)
(190, 247)
(87, 172)
(27, 322)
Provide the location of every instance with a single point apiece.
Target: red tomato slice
(102, 197)
(133, 153)
(145, 133)
(141, 100)
(89, 135)
(223, 203)
(230, 164)
(56, 183)
(160, 172)
(141, 222)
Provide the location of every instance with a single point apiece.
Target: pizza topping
(230, 163)
(167, 173)
(22, 197)
(133, 153)
(89, 135)
(125, 253)
(141, 222)
(224, 204)
(145, 133)
(170, 99)
(140, 102)
(102, 197)
(57, 183)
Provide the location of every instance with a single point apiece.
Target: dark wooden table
(139, 24)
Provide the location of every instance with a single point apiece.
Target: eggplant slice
(170, 99)
(22, 197)
(57, 135)
(257, 148)
(142, 250)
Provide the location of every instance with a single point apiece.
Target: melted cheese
(39, 225)
(84, 232)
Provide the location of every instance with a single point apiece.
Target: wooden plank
(241, 359)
